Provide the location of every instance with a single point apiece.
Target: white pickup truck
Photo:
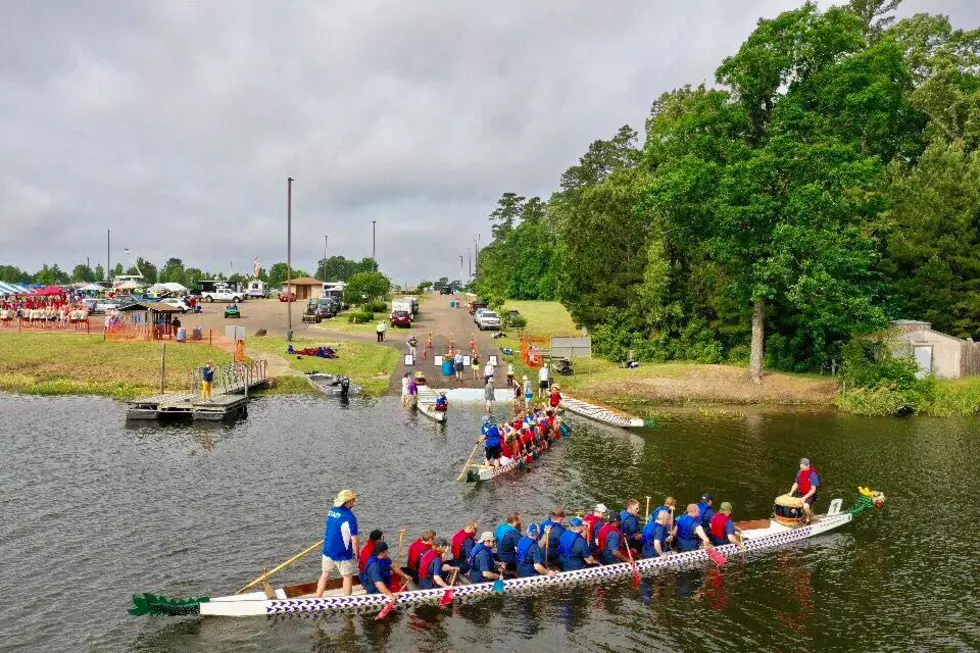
(222, 295)
(487, 320)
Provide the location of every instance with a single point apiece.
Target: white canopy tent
(170, 286)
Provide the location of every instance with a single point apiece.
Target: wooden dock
(229, 397)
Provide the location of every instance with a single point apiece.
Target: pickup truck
(488, 320)
(222, 295)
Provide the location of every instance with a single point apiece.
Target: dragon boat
(757, 536)
(479, 473)
(601, 414)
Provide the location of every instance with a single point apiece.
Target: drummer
(806, 487)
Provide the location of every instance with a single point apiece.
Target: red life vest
(458, 539)
(366, 552)
(595, 525)
(717, 527)
(426, 562)
(604, 533)
(506, 449)
(804, 483)
(415, 551)
(555, 399)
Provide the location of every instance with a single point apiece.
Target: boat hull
(770, 537)
(328, 384)
(600, 414)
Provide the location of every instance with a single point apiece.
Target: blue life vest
(502, 530)
(523, 548)
(566, 541)
(384, 571)
(493, 436)
(565, 430)
(687, 537)
(476, 549)
(705, 513)
(648, 532)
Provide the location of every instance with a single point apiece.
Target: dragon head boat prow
(877, 497)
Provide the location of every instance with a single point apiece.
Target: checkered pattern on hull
(624, 569)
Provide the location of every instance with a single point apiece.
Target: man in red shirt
(416, 550)
(594, 522)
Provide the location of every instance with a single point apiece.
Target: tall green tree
(366, 287)
(173, 271)
(82, 272)
(99, 273)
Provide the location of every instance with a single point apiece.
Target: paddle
(647, 513)
(547, 537)
(281, 567)
(391, 606)
(718, 558)
(498, 586)
(462, 474)
(637, 578)
(447, 597)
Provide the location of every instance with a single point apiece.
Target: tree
(191, 276)
(277, 274)
(366, 287)
(339, 268)
(51, 276)
(13, 274)
(82, 273)
(502, 219)
(99, 273)
(118, 270)
(172, 271)
(424, 286)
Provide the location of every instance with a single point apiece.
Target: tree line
(334, 268)
(828, 182)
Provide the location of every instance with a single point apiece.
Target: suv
(401, 319)
(477, 305)
(488, 320)
(221, 295)
(326, 308)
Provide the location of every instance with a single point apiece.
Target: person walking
(510, 374)
(405, 383)
(458, 365)
(488, 371)
(381, 328)
(340, 543)
(543, 381)
(476, 366)
(207, 378)
(488, 393)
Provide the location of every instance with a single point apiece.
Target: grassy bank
(945, 398)
(367, 364)
(54, 364)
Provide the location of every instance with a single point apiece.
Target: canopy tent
(12, 289)
(169, 286)
(49, 291)
(91, 287)
(128, 285)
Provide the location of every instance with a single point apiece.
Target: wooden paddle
(547, 537)
(267, 574)
(647, 520)
(401, 541)
(462, 474)
(447, 597)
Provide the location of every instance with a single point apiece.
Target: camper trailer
(257, 289)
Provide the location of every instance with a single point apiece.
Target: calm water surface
(94, 510)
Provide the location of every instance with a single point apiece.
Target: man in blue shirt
(530, 558)
(508, 535)
(377, 574)
(491, 443)
(707, 511)
(655, 536)
(631, 525)
(573, 550)
(432, 566)
(340, 543)
(482, 565)
(552, 528)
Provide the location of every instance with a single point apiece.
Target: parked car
(287, 297)
(222, 295)
(488, 320)
(478, 313)
(176, 302)
(326, 308)
(477, 305)
(401, 319)
(92, 305)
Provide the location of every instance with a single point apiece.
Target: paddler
(631, 524)
(806, 487)
(528, 392)
(573, 550)
(482, 566)
(491, 443)
(432, 566)
(722, 529)
(670, 507)
(368, 550)
(593, 523)
(706, 510)
(442, 403)
(340, 543)
(530, 558)
(377, 573)
(690, 534)
(610, 542)
(552, 528)
(554, 399)
(508, 536)
(655, 535)
(416, 550)
(463, 543)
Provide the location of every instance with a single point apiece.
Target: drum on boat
(788, 510)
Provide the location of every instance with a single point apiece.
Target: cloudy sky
(176, 124)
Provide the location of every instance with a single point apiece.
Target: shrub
(360, 317)
(517, 321)
(878, 383)
(376, 307)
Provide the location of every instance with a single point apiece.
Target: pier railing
(232, 377)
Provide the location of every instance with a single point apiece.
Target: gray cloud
(175, 124)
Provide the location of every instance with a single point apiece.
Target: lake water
(94, 510)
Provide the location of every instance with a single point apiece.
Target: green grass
(368, 364)
(954, 397)
(543, 318)
(340, 323)
(287, 385)
(53, 363)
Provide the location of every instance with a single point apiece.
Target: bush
(878, 383)
(376, 307)
(360, 317)
(517, 321)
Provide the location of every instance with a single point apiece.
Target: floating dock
(229, 397)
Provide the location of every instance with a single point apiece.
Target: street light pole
(108, 254)
(461, 268)
(374, 233)
(289, 257)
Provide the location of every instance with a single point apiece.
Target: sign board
(571, 347)
(409, 360)
(437, 360)
(492, 361)
(466, 361)
(235, 333)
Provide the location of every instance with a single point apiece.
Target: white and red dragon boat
(758, 535)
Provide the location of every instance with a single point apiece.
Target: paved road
(436, 317)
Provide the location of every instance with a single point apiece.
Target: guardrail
(232, 377)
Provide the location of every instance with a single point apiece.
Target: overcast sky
(176, 124)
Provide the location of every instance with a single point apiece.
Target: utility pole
(289, 256)
(471, 267)
(108, 254)
(374, 232)
(461, 268)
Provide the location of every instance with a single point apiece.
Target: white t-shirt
(488, 370)
(543, 374)
(405, 386)
(510, 369)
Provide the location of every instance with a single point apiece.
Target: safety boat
(601, 414)
(758, 535)
(333, 385)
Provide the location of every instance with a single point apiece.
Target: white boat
(601, 414)
(426, 404)
(758, 535)
(332, 384)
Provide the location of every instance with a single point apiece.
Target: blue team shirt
(706, 513)
(631, 524)
(525, 566)
(493, 436)
(435, 569)
(658, 533)
(554, 534)
(341, 527)
(575, 559)
(508, 538)
(208, 375)
(482, 561)
(376, 570)
(614, 542)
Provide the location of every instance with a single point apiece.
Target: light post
(374, 240)
(289, 257)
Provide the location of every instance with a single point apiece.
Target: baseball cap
(533, 529)
(486, 536)
(601, 507)
(726, 506)
(805, 461)
(575, 521)
(706, 497)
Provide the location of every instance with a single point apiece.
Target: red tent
(50, 290)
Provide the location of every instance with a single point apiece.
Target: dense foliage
(828, 183)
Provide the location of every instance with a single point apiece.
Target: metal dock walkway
(229, 397)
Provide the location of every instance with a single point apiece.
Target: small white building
(937, 354)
